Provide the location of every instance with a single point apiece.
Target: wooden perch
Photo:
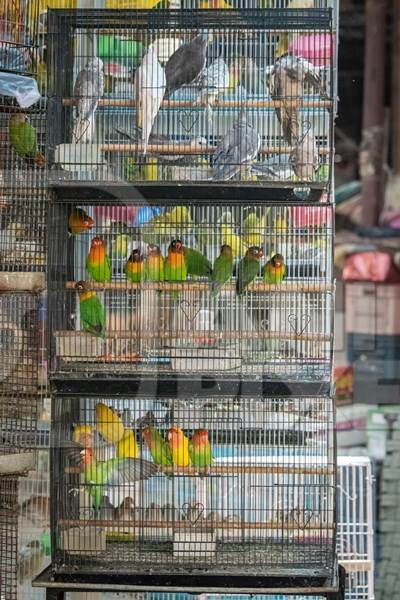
(295, 103)
(192, 286)
(235, 469)
(191, 149)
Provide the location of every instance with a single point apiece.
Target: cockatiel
(134, 267)
(214, 81)
(98, 263)
(88, 89)
(79, 222)
(158, 446)
(197, 264)
(223, 269)
(236, 151)
(186, 63)
(154, 264)
(91, 310)
(23, 139)
(175, 268)
(149, 91)
(200, 449)
(248, 268)
(179, 445)
(304, 157)
(286, 83)
(275, 270)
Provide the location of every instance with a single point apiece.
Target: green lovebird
(223, 269)
(275, 269)
(92, 312)
(158, 446)
(200, 449)
(248, 268)
(98, 264)
(197, 264)
(134, 267)
(175, 268)
(23, 139)
(113, 472)
(154, 264)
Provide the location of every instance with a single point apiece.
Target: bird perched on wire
(248, 268)
(88, 89)
(149, 92)
(91, 310)
(186, 63)
(23, 139)
(275, 269)
(304, 158)
(213, 82)
(287, 79)
(98, 263)
(237, 150)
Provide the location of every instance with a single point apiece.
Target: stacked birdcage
(190, 290)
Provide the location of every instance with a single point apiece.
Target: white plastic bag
(23, 89)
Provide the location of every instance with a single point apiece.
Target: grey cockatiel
(213, 81)
(88, 89)
(149, 92)
(287, 79)
(237, 149)
(186, 63)
(304, 156)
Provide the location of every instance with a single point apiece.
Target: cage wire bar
(225, 106)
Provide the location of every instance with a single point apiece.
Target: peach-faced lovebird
(91, 310)
(175, 268)
(179, 444)
(223, 268)
(113, 472)
(79, 221)
(200, 449)
(275, 269)
(158, 446)
(98, 263)
(197, 264)
(154, 264)
(248, 268)
(134, 267)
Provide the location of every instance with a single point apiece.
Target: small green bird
(200, 449)
(158, 446)
(248, 268)
(197, 264)
(23, 139)
(175, 268)
(134, 268)
(92, 312)
(223, 269)
(275, 269)
(119, 247)
(98, 263)
(154, 264)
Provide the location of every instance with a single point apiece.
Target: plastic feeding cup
(316, 48)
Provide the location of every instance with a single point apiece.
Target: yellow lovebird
(180, 215)
(109, 424)
(232, 239)
(121, 4)
(127, 446)
(214, 4)
(179, 444)
(254, 228)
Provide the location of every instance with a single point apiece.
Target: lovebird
(248, 268)
(98, 263)
(179, 445)
(200, 449)
(232, 239)
(23, 139)
(79, 221)
(127, 447)
(134, 268)
(113, 472)
(223, 269)
(197, 264)
(275, 269)
(92, 313)
(109, 424)
(175, 268)
(158, 446)
(254, 228)
(154, 264)
(119, 247)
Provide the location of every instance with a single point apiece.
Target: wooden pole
(373, 111)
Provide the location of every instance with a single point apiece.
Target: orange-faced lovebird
(98, 263)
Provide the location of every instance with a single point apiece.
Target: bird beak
(178, 246)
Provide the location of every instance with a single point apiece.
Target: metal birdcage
(188, 95)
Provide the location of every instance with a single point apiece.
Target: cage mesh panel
(185, 134)
(8, 536)
(265, 501)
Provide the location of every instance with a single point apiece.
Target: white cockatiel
(88, 89)
(149, 92)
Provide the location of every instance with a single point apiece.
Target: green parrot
(275, 269)
(91, 310)
(158, 446)
(197, 264)
(23, 139)
(98, 264)
(200, 449)
(154, 264)
(223, 269)
(248, 268)
(113, 472)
